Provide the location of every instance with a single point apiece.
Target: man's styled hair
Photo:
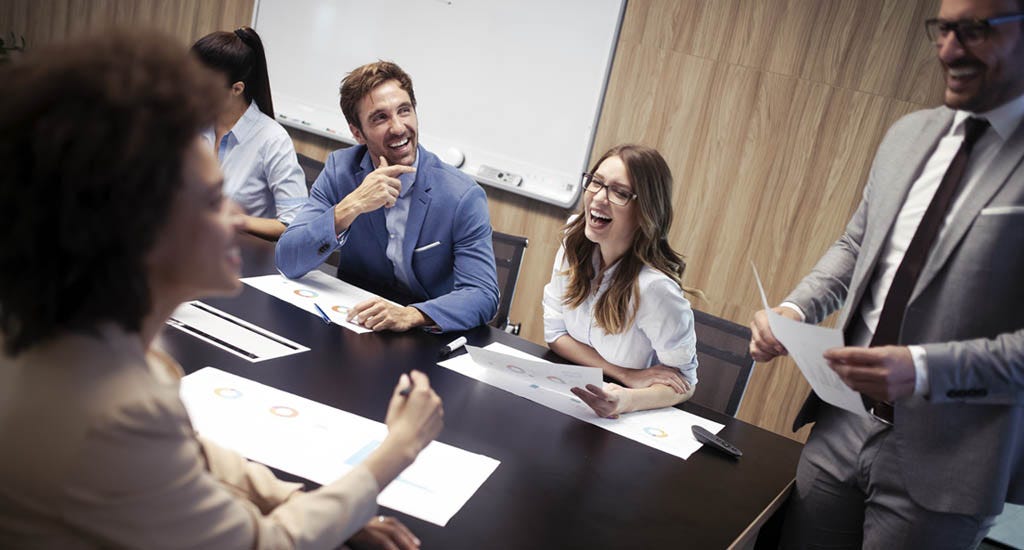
(363, 80)
(93, 138)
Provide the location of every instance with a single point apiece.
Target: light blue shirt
(261, 170)
(395, 219)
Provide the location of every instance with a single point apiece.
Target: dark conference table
(562, 483)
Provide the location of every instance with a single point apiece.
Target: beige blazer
(96, 450)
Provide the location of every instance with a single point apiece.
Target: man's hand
(655, 374)
(378, 314)
(763, 345)
(384, 533)
(884, 373)
(609, 402)
(380, 188)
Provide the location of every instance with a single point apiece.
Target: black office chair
(723, 353)
(312, 169)
(508, 258)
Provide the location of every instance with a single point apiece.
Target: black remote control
(716, 442)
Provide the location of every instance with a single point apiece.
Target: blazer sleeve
(473, 300)
(982, 371)
(310, 238)
(824, 290)
(140, 480)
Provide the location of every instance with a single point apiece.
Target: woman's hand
(416, 419)
(384, 533)
(413, 421)
(609, 402)
(657, 374)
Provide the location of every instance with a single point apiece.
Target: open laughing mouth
(598, 219)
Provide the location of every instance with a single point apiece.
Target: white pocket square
(1002, 210)
(427, 247)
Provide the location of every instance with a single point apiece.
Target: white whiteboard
(516, 85)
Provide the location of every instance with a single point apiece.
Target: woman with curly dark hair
(615, 299)
(114, 215)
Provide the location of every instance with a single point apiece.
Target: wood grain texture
(768, 112)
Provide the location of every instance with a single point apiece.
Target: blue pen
(322, 314)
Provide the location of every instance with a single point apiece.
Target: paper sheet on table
(667, 429)
(806, 344)
(333, 295)
(230, 333)
(321, 443)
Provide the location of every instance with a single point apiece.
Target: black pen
(407, 390)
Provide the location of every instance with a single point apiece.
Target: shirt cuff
(920, 357)
(796, 308)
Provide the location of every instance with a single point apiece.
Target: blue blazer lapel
(378, 226)
(418, 207)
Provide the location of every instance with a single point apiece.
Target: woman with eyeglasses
(261, 170)
(615, 299)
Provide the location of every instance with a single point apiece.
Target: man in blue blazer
(401, 218)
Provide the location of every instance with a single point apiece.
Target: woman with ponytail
(261, 171)
(615, 299)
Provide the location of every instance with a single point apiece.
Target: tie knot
(974, 127)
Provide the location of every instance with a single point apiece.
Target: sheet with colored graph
(548, 384)
(316, 288)
(321, 443)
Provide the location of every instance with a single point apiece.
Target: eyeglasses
(616, 194)
(969, 32)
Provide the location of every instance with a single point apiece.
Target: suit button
(323, 249)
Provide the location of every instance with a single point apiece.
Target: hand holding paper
(808, 344)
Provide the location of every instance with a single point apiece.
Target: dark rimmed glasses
(616, 194)
(969, 32)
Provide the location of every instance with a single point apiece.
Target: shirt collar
(608, 272)
(246, 125)
(1005, 119)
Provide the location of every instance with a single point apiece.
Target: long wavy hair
(652, 183)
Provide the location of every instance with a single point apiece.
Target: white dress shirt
(1004, 120)
(261, 170)
(662, 331)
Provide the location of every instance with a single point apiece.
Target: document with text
(322, 444)
(316, 288)
(807, 344)
(548, 384)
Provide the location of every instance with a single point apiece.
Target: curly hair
(363, 80)
(93, 137)
(652, 183)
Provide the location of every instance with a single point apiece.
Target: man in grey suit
(930, 270)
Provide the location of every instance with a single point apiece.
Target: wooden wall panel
(768, 112)
(44, 21)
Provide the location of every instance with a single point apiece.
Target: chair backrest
(508, 258)
(725, 364)
(312, 169)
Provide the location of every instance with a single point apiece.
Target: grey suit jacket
(961, 448)
(98, 451)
